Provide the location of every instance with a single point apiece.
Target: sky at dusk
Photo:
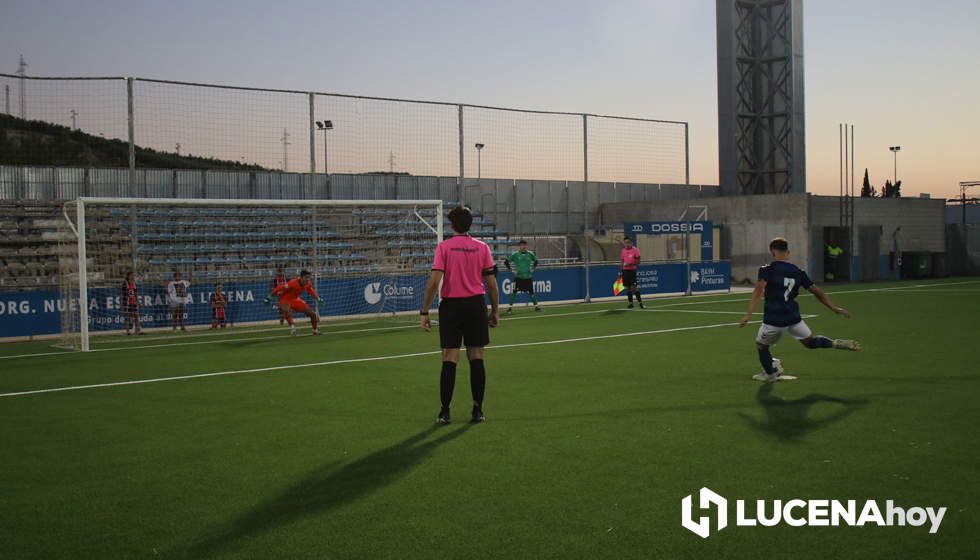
(904, 73)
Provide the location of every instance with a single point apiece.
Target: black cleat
(478, 414)
(443, 417)
(641, 305)
(630, 306)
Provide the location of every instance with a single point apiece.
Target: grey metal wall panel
(541, 196)
(406, 188)
(342, 187)
(109, 182)
(523, 206)
(607, 192)
(708, 191)
(69, 182)
(8, 182)
(593, 196)
(576, 196)
(428, 187)
(158, 183)
(621, 193)
(448, 189)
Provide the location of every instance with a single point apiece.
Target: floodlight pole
(895, 150)
(479, 169)
(325, 126)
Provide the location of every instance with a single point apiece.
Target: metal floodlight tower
(479, 151)
(760, 97)
(325, 126)
(894, 151)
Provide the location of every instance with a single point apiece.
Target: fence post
(588, 263)
(687, 158)
(459, 188)
(132, 137)
(585, 147)
(312, 144)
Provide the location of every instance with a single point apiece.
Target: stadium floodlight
(368, 258)
(894, 150)
(479, 150)
(325, 126)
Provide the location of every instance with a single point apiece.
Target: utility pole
(177, 148)
(285, 150)
(391, 162)
(22, 72)
(73, 114)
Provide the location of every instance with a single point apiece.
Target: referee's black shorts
(524, 285)
(463, 321)
(629, 277)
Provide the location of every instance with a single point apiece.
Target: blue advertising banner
(39, 313)
(704, 228)
(710, 276)
(30, 313)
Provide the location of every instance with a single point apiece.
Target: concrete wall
(748, 223)
(920, 219)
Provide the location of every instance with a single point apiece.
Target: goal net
(367, 259)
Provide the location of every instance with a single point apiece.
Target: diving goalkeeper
(524, 262)
(289, 300)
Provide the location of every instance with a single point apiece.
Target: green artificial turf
(589, 446)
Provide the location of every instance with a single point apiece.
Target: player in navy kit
(780, 281)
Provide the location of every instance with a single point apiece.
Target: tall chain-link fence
(137, 123)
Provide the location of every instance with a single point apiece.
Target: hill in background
(26, 142)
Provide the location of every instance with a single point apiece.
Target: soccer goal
(367, 257)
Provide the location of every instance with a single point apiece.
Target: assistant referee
(464, 266)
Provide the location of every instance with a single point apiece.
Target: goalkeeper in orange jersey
(289, 299)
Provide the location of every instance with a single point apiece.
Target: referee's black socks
(478, 380)
(447, 383)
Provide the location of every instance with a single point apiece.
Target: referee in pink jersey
(629, 258)
(464, 266)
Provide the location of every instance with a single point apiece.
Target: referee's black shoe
(478, 414)
(443, 416)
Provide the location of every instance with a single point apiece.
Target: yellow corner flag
(618, 286)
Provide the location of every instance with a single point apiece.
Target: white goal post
(367, 257)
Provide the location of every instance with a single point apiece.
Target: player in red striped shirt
(130, 303)
(218, 304)
(280, 280)
(290, 300)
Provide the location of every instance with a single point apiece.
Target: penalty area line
(360, 360)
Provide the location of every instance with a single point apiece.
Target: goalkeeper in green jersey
(523, 263)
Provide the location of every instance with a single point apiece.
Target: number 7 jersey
(783, 283)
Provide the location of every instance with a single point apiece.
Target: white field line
(348, 331)
(359, 360)
(863, 290)
(209, 333)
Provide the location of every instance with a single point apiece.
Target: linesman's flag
(618, 286)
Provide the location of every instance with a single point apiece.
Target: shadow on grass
(790, 420)
(328, 488)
